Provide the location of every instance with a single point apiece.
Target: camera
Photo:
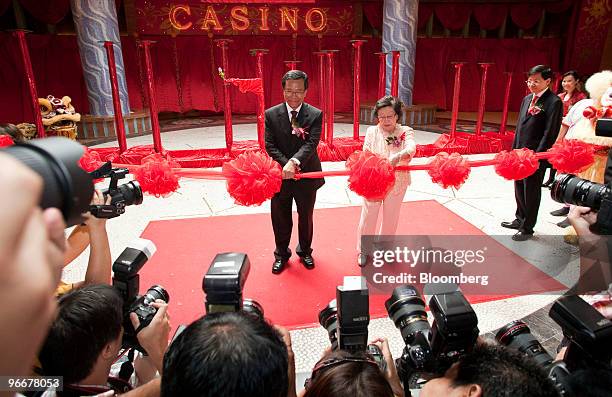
(430, 350)
(121, 195)
(65, 185)
(223, 284)
(588, 332)
(127, 281)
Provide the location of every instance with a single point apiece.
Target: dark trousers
(282, 222)
(528, 192)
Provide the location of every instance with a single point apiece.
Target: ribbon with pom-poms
(571, 156)
(516, 164)
(449, 170)
(252, 178)
(371, 176)
(155, 175)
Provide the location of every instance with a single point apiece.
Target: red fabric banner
(526, 15)
(4, 5)
(425, 11)
(453, 16)
(50, 12)
(594, 21)
(374, 14)
(490, 16)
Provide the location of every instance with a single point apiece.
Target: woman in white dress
(395, 142)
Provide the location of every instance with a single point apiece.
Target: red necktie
(293, 118)
(534, 100)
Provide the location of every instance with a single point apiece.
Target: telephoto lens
(407, 310)
(154, 293)
(66, 186)
(571, 189)
(517, 335)
(328, 318)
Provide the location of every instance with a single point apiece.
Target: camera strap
(127, 368)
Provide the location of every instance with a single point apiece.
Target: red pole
(456, 90)
(483, 96)
(27, 63)
(382, 74)
(146, 46)
(322, 98)
(259, 53)
(356, 81)
(395, 74)
(330, 96)
(502, 127)
(227, 103)
(112, 71)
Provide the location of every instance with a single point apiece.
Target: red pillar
(227, 103)
(27, 64)
(456, 90)
(330, 96)
(395, 73)
(356, 80)
(322, 97)
(483, 96)
(259, 53)
(502, 126)
(112, 71)
(382, 74)
(146, 46)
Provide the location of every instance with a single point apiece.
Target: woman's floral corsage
(396, 141)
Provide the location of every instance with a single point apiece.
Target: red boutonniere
(299, 131)
(395, 140)
(536, 109)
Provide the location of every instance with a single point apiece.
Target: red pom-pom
(90, 160)
(516, 164)
(252, 178)
(371, 177)
(449, 170)
(571, 156)
(6, 140)
(589, 112)
(156, 177)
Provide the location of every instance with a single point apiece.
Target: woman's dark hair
(388, 100)
(572, 73)
(348, 379)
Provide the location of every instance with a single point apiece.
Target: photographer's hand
(581, 218)
(100, 262)
(391, 372)
(291, 359)
(154, 337)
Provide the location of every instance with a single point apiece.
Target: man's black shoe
(515, 224)
(564, 223)
(522, 236)
(560, 212)
(278, 266)
(307, 261)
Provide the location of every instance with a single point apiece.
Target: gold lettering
(264, 18)
(309, 19)
(210, 18)
(174, 21)
(287, 17)
(240, 18)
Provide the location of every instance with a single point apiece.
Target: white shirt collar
(539, 94)
(289, 109)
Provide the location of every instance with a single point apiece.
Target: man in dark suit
(293, 130)
(536, 129)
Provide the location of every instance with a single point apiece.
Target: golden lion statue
(58, 117)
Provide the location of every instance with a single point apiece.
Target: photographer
(343, 374)
(32, 245)
(491, 371)
(93, 233)
(227, 354)
(85, 339)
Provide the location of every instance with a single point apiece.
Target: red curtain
(50, 12)
(4, 5)
(425, 11)
(453, 16)
(374, 14)
(526, 15)
(490, 16)
(57, 70)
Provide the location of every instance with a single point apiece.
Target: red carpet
(186, 247)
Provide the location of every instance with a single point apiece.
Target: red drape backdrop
(57, 68)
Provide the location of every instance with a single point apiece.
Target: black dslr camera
(127, 281)
(223, 284)
(589, 334)
(121, 195)
(346, 319)
(431, 350)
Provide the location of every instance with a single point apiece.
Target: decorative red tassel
(90, 160)
(252, 178)
(6, 140)
(516, 164)
(449, 170)
(371, 177)
(156, 177)
(571, 156)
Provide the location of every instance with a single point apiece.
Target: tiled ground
(485, 200)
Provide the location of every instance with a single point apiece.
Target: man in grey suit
(536, 129)
(293, 130)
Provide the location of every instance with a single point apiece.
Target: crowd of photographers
(101, 338)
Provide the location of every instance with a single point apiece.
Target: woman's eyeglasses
(383, 118)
